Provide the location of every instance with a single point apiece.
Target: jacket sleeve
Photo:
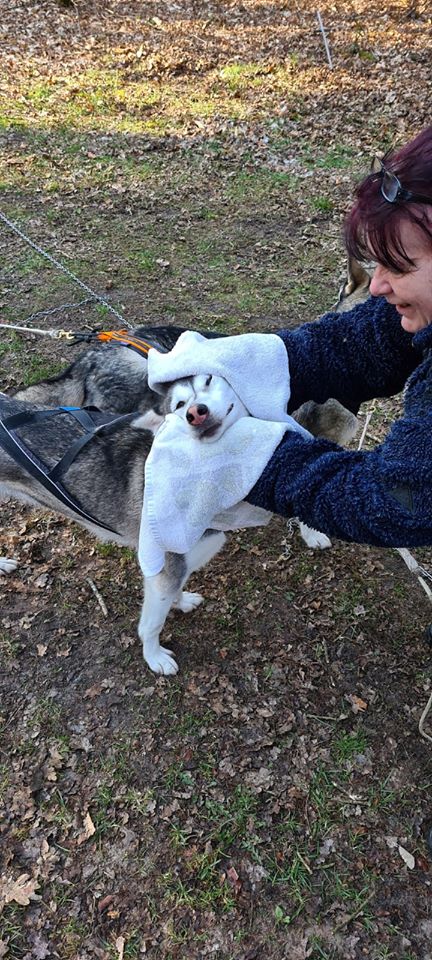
(381, 497)
(352, 356)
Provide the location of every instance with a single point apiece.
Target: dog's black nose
(197, 414)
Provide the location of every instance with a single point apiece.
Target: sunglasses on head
(391, 187)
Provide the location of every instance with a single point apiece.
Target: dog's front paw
(188, 601)
(7, 565)
(162, 661)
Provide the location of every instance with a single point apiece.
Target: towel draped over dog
(192, 485)
(254, 364)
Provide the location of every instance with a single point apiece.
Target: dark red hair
(372, 228)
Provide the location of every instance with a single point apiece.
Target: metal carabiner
(63, 335)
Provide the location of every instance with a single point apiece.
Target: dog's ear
(355, 288)
(150, 420)
(358, 276)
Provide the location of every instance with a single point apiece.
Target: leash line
(43, 333)
(123, 337)
(59, 309)
(60, 266)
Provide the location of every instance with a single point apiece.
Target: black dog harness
(92, 421)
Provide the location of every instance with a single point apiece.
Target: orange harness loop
(124, 337)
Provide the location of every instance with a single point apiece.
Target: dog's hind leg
(314, 538)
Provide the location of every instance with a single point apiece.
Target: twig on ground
(326, 43)
(98, 596)
(304, 862)
(366, 424)
(423, 718)
(416, 569)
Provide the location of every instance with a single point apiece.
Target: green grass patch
(47, 716)
(322, 204)
(102, 812)
(231, 822)
(349, 745)
(59, 811)
(8, 647)
(38, 369)
(143, 259)
(242, 76)
(248, 185)
(4, 775)
(337, 158)
(132, 947)
(107, 97)
(13, 931)
(202, 884)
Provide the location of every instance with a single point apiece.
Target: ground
(192, 163)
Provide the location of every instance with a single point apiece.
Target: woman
(383, 496)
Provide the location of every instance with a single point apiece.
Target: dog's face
(206, 403)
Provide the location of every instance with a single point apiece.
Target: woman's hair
(373, 226)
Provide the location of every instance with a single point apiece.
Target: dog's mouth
(209, 431)
(206, 425)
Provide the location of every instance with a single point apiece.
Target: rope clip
(64, 335)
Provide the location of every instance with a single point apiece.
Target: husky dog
(113, 378)
(107, 477)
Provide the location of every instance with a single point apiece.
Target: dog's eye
(181, 403)
(209, 380)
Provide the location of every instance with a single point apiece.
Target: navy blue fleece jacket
(381, 497)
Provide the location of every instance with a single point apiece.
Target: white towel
(255, 364)
(191, 485)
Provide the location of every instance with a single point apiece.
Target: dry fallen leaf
(407, 857)
(93, 691)
(120, 945)
(105, 902)
(89, 829)
(234, 879)
(19, 891)
(41, 581)
(357, 704)
(40, 948)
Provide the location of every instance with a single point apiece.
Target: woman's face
(410, 293)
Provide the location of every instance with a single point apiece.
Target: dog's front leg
(159, 595)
